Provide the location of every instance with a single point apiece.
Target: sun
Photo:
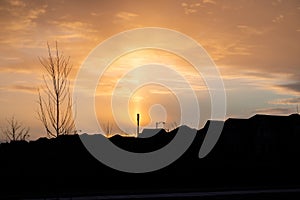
(136, 93)
(138, 105)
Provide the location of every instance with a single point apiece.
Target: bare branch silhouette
(172, 126)
(15, 131)
(107, 128)
(55, 104)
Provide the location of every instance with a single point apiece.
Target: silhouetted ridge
(263, 149)
(149, 144)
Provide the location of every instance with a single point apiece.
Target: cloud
(257, 79)
(209, 1)
(295, 87)
(248, 30)
(17, 3)
(275, 111)
(96, 14)
(18, 24)
(15, 69)
(190, 8)
(22, 18)
(20, 88)
(288, 101)
(70, 24)
(126, 20)
(278, 19)
(23, 88)
(68, 30)
(126, 15)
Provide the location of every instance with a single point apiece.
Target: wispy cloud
(190, 8)
(278, 19)
(194, 7)
(295, 87)
(23, 18)
(209, 1)
(19, 21)
(288, 101)
(275, 111)
(252, 30)
(24, 88)
(17, 3)
(126, 15)
(20, 88)
(69, 30)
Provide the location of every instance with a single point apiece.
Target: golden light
(144, 97)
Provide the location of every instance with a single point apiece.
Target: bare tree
(172, 126)
(108, 127)
(15, 131)
(55, 105)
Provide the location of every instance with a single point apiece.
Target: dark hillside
(258, 152)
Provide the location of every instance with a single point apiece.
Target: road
(234, 194)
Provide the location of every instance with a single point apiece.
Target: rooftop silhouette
(261, 150)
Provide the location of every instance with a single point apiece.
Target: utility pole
(138, 124)
(297, 109)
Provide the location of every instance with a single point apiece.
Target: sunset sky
(254, 44)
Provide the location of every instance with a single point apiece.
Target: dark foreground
(255, 158)
(209, 195)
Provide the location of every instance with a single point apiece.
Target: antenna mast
(157, 123)
(138, 124)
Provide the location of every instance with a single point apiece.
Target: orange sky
(255, 45)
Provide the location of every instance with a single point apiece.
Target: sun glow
(154, 102)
